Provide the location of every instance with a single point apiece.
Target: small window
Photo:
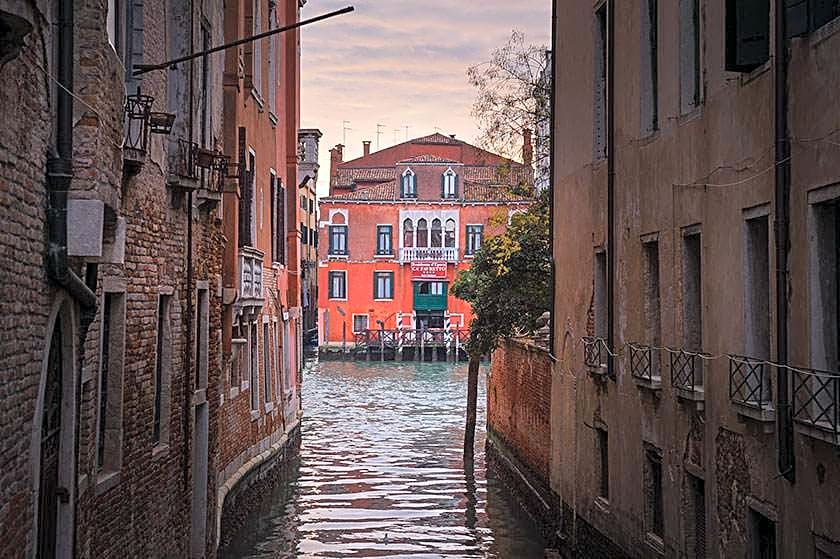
(254, 366)
(311, 206)
(650, 67)
(112, 343)
(360, 323)
(383, 240)
(338, 285)
(163, 365)
(449, 234)
(653, 492)
(437, 233)
(475, 236)
(422, 233)
(602, 461)
(747, 34)
(266, 364)
(304, 233)
(408, 233)
(449, 184)
(302, 202)
(432, 288)
(652, 301)
(338, 240)
(383, 285)
(690, 81)
(599, 295)
(691, 293)
(762, 536)
(409, 184)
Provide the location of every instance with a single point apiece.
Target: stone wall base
(251, 490)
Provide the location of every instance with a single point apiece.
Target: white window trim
(329, 286)
(450, 177)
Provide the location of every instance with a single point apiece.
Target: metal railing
(412, 254)
(643, 364)
(686, 370)
(816, 399)
(750, 382)
(396, 339)
(594, 352)
(184, 159)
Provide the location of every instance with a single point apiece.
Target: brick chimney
(336, 158)
(366, 147)
(527, 148)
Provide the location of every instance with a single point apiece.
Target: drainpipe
(188, 383)
(551, 176)
(784, 419)
(611, 248)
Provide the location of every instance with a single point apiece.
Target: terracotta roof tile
(381, 191)
(483, 192)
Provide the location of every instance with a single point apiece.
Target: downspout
(611, 248)
(784, 419)
(188, 388)
(551, 138)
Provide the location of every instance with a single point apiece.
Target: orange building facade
(398, 227)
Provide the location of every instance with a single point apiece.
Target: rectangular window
(338, 285)
(277, 358)
(163, 365)
(690, 79)
(202, 335)
(825, 289)
(383, 285)
(251, 223)
(599, 295)
(762, 536)
(805, 16)
(602, 463)
(599, 101)
(266, 363)
(475, 236)
(304, 233)
(652, 301)
(257, 46)
(747, 34)
(757, 287)
(449, 186)
(653, 492)
(383, 240)
(112, 348)
(272, 186)
(254, 366)
(695, 517)
(650, 67)
(311, 206)
(338, 240)
(408, 184)
(360, 323)
(272, 60)
(691, 293)
(279, 238)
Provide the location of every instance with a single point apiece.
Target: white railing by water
(412, 254)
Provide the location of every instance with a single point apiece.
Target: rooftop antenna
(406, 132)
(378, 134)
(345, 127)
(438, 129)
(396, 135)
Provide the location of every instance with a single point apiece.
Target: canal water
(381, 474)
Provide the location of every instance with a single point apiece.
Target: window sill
(255, 415)
(818, 432)
(765, 415)
(648, 138)
(749, 77)
(599, 372)
(655, 543)
(257, 97)
(105, 481)
(383, 256)
(654, 384)
(334, 299)
(244, 386)
(385, 300)
(697, 397)
(690, 116)
(160, 450)
(338, 256)
(269, 407)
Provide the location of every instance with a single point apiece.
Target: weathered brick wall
(519, 402)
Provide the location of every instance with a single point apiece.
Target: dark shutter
(456, 186)
(796, 14)
(273, 205)
(244, 192)
(443, 185)
(281, 222)
(747, 34)
(375, 281)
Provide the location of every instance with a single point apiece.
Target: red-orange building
(400, 224)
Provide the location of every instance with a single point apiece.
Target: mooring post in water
(367, 345)
(422, 333)
(344, 339)
(399, 334)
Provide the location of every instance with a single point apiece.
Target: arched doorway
(53, 438)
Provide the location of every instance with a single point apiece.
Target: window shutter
(796, 14)
(443, 185)
(456, 186)
(375, 278)
(747, 34)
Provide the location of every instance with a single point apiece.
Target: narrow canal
(381, 474)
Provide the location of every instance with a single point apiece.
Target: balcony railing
(816, 401)
(413, 254)
(595, 353)
(250, 275)
(749, 382)
(644, 363)
(686, 371)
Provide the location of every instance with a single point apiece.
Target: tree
(514, 89)
(509, 288)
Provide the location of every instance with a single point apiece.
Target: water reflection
(381, 474)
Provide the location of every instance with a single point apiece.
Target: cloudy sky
(402, 63)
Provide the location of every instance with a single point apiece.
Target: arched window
(408, 184)
(408, 233)
(437, 233)
(422, 233)
(449, 184)
(449, 237)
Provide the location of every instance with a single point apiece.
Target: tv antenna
(406, 131)
(378, 134)
(345, 128)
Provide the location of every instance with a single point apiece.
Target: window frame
(360, 315)
(380, 231)
(390, 283)
(473, 231)
(408, 179)
(343, 232)
(330, 292)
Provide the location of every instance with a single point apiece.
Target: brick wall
(519, 403)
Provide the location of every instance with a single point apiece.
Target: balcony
(687, 376)
(750, 389)
(413, 254)
(595, 355)
(816, 404)
(250, 277)
(644, 366)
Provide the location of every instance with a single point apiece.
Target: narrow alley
(381, 474)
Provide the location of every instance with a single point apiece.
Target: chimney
(336, 158)
(366, 147)
(527, 148)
